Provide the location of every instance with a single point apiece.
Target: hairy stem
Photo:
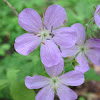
(16, 13)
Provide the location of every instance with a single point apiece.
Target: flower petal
(97, 16)
(36, 82)
(72, 78)
(65, 93)
(30, 20)
(72, 51)
(65, 37)
(54, 16)
(26, 43)
(47, 93)
(80, 33)
(55, 70)
(83, 63)
(50, 53)
(94, 56)
(91, 43)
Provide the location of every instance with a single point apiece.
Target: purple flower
(55, 83)
(97, 16)
(82, 49)
(45, 33)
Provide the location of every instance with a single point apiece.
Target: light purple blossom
(90, 49)
(55, 83)
(97, 16)
(44, 33)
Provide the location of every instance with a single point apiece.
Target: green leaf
(20, 92)
(84, 10)
(3, 83)
(92, 75)
(12, 74)
(69, 64)
(2, 52)
(6, 46)
(81, 98)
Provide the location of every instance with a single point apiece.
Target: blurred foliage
(15, 67)
(81, 98)
(92, 75)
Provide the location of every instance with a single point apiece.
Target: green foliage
(3, 83)
(12, 75)
(69, 64)
(92, 75)
(3, 48)
(20, 92)
(81, 98)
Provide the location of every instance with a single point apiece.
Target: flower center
(45, 34)
(54, 81)
(83, 48)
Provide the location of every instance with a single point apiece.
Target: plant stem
(16, 13)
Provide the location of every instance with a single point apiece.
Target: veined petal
(50, 54)
(83, 63)
(65, 36)
(72, 78)
(47, 93)
(93, 43)
(36, 82)
(65, 93)
(30, 20)
(97, 16)
(54, 16)
(94, 56)
(55, 70)
(80, 33)
(72, 51)
(26, 43)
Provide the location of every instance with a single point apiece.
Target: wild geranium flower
(55, 83)
(90, 49)
(97, 16)
(44, 33)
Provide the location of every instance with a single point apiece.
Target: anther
(47, 39)
(35, 33)
(43, 43)
(43, 24)
(52, 35)
(39, 36)
(51, 29)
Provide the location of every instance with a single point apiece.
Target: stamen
(92, 48)
(98, 12)
(52, 35)
(43, 24)
(39, 36)
(40, 29)
(45, 27)
(43, 43)
(51, 29)
(35, 33)
(47, 39)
